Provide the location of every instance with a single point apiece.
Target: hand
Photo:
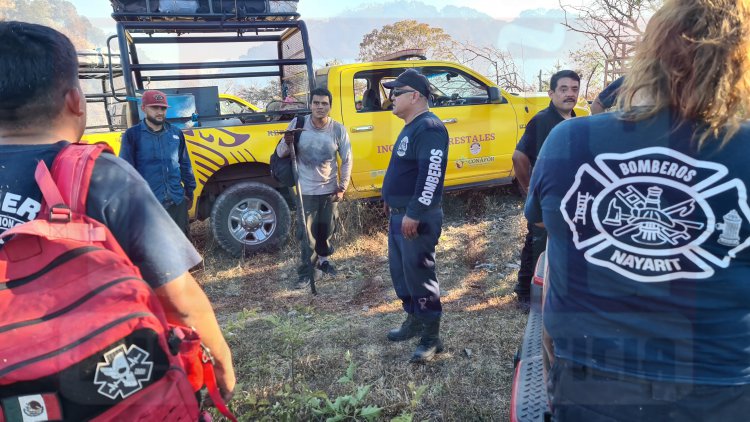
(339, 196)
(189, 201)
(409, 227)
(226, 383)
(289, 138)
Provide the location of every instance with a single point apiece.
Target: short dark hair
(562, 74)
(321, 92)
(38, 66)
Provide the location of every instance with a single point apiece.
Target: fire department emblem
(655, 214)
(402, 146)
(123, 371)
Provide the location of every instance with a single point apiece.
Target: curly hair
(694, 59)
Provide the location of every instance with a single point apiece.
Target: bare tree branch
(612, 25)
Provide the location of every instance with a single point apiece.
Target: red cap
(154, 98)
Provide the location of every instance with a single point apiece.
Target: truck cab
(484, 122)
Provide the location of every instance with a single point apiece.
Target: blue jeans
(412, 264)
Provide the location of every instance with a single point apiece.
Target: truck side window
(369, 94)
(451, 87)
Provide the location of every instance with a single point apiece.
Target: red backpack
(82, 335)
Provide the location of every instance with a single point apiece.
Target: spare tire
(250, 217)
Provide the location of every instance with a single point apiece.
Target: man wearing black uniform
(412, 191)
(563, 93)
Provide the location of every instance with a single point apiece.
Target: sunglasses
(397, 92)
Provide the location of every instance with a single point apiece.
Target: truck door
(371, 125)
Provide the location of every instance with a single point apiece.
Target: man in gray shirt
(322, 182)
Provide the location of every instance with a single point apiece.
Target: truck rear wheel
(250, 217)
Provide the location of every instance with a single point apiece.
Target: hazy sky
(99, 11)
(533, 48)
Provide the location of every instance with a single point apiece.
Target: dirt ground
(287, 341)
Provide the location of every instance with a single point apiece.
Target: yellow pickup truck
(230, 141)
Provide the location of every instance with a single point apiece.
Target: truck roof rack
(412, 53)
(284, 54)
(204, 10)
(95, 64)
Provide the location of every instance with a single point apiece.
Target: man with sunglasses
(412, 192)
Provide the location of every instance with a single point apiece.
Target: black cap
(413, 79)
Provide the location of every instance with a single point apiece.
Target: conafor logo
(656, 214)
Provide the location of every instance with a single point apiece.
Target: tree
(614, 26)
(496, 64)
(260, 95)
(488, 60)
(407, 34)
(588, 62)
(58, 14)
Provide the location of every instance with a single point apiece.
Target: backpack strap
(55, 210)
(71, 172)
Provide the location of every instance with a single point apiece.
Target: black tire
(250, 217)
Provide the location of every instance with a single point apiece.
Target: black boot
(430, 343)
(409, 329)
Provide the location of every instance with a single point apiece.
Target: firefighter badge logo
(402, 146)
(655, 214)
(123, 371)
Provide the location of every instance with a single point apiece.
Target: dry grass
(282, 337)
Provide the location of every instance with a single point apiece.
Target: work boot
(302, 283)
(409, 329)
(430, 344)
(327, 268)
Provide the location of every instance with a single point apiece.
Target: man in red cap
(157, 150)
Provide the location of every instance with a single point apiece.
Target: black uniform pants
(412, 264)
(321, 213)
(533, 246)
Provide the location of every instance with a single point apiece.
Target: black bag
(281, 168)
(240, 7)
(178, 7)
(134, 6)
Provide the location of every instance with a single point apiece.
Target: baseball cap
(154, 98)
(413, 79)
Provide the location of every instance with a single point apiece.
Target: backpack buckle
(206, 356)
(60, 213)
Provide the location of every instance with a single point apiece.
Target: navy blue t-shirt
(118, 197)
(649, 266)
(416, 172)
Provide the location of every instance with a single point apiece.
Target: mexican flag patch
(32, 408)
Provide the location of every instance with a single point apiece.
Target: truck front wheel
(250, 217)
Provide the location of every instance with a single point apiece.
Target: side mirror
(495, 96)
